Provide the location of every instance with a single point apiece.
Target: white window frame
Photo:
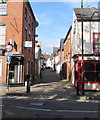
(2, 34)
(3, 9)
(0, 67)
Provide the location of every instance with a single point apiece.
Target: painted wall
(89, 27)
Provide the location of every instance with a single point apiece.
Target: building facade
(86, 61)
(17, 31)
(38, 53)
(67, 54)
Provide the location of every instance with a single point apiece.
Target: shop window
(96, 42)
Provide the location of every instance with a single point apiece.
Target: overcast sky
(54, 19)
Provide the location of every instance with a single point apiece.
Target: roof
(62, 44)
(67, 34)
(35, 23)
(55, 49)
(46, 56)
(90, 14)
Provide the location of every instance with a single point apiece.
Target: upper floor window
(3, 1)
(25, 34)
(3, 8)
(96, 42)
(26, 13)
(29, 21)
(2, 34)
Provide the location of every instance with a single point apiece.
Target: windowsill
(3, 14)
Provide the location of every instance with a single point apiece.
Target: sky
(55, 19)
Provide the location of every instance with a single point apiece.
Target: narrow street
(50, 97)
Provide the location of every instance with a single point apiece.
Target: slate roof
(62, 44)
(55, 49)
(67, 34)
(90, 14)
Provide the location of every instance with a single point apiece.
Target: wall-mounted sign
(28, 44)
(8, 53)
(9, 47)
(8, 58)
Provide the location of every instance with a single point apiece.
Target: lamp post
(82, 46)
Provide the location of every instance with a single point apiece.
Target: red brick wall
(15, 30)
(29, 52)
(67, 56)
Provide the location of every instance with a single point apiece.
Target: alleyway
(51, 87)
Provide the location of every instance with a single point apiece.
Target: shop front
(14, 74)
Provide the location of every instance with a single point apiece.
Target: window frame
(95, 71)
(26, 14)
(94, 49)
(3, 9)
(3, 35)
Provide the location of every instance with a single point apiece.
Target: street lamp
(82, 45)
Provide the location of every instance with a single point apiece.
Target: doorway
(14, 72)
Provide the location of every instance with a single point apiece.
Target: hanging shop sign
(28, 44)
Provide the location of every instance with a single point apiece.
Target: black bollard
(77, 89)
(28, 83)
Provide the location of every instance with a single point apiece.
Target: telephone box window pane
(89, 76)
(97, 76)
(97, 66)
(89, 66)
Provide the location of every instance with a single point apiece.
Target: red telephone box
(89, 70)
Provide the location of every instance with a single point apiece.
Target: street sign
(8, 53)
(8, 58)
(9, 48)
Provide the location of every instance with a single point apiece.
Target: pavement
(49, 87)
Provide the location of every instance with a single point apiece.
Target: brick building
(17, 30)
(67, 54)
